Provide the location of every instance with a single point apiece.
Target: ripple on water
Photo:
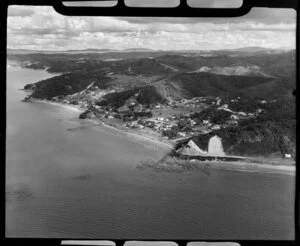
(18, 192)
(81, 175)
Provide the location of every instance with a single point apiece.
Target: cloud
(20, 11)
(43, 28)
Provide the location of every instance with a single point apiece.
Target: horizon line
(126, 49)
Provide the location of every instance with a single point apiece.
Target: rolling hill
(174, 74)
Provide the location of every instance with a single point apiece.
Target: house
(114, 114)
(183, 100)
(131, 102)
(287, 155)
(150, 124)
(232, 122)
(224, 109)
(205, 122)
(216, 127)
(234, 117)
(193, 122)
(138, 108)
(258, 111)
(123, 109)
(242, 113)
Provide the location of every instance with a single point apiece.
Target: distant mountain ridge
(174, 75)
(244, 49)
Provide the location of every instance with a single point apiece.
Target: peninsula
(218, 105)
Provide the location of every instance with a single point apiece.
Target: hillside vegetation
(206, 84)
(67, 84)
(272, 133)
(146, 95)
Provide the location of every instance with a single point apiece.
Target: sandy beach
(137, 134)
(252, 167)
(74, 108)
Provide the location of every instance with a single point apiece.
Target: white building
(181, 134)
(234, 117)
(242, 113)
(216, 127)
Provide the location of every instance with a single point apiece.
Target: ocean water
(84, 184)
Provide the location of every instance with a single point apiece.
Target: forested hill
(258, 74)
(67, 84)
(273, 133)
(207, 84)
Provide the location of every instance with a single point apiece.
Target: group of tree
(213, 115)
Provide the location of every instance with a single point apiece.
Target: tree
(171, 133)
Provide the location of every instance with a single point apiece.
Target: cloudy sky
(41, 28)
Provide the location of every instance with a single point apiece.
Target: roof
(123, 109)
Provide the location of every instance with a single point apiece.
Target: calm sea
(84, 184)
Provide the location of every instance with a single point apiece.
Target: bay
(85, 184)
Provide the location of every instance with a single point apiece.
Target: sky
(42, 28)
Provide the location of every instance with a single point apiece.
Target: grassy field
(169, 111)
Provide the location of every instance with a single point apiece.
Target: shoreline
(106, 123)
(140, 136)
(252, 167)
(66, 106)
(263, 165)
(174, 165)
